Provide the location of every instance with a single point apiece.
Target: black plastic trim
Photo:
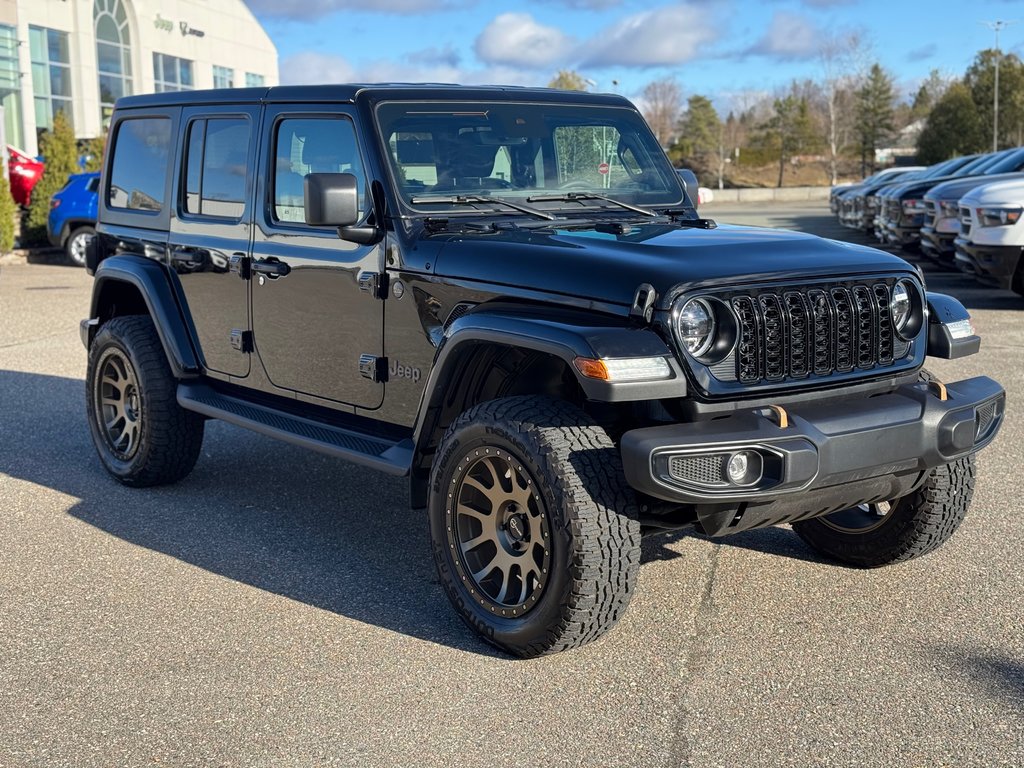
(150, 279)
(943, 310)
(394, 458)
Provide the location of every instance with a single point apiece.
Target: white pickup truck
(992, 234)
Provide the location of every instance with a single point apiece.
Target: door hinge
(374, 283)
(241, 265)
(373, 368)
(241, 340)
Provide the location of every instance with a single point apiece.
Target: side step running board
(395, 458)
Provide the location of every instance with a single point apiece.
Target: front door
(310, 320)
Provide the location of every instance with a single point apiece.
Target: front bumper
(938, 245)
(903, 234)
(830, 456)
(993, 264)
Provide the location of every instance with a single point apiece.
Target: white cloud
(662, 37)
(317, 68)
(517, 39)
(789, 36)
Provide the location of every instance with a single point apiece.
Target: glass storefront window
(51, 74)
(10, 85)
(223, 77)
(113, 54)
(171, 73)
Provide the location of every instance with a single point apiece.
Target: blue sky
(726, 49)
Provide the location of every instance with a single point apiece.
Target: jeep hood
(608, 268)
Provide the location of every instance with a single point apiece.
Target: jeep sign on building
(80, 56)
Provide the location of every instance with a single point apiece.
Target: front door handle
(272, 268)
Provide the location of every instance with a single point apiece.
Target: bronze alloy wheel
(497, 528)
(118, 403)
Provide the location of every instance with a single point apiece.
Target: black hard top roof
(348, 93)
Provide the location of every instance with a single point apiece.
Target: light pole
(996, 26)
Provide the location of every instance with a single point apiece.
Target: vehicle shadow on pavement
(284, 520)
(1001, 677)
(780, 541)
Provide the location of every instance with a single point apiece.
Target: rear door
(211, 231)
(315, 319)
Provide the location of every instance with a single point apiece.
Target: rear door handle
(272, 268)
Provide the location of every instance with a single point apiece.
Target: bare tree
(843, 62)
(663, 102)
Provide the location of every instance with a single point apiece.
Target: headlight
(695, 326)
(900, 305)
(997, 217)
(911, 207)
(950, 209)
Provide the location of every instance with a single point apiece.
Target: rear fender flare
(150, 280)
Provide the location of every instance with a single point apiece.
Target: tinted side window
(139, 172)
(311, 145)
(216, 167)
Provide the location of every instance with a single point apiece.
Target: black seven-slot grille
(792, 333)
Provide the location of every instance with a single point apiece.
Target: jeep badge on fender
(507, 296)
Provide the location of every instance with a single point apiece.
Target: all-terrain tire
(142, 435)
(591, 537)
(917, 523)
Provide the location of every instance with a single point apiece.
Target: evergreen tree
(700, 135)
(94, 150)
(928, 95)
(980, 80)
(8, 212)
(874, 124)
(788, 131)
(60, 154)
(953, 127)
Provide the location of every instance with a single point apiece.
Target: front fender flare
(942, 311)
(565, 339)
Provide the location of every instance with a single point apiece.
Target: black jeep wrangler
(509, 297)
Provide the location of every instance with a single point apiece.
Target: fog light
(744, 468)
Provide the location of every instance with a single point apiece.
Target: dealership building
(79, 56)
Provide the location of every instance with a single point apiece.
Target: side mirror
(331, 199)
(689, 179)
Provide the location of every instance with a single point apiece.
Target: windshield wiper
(474, 199)
(578, 197)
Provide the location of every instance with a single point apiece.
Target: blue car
(71, 224)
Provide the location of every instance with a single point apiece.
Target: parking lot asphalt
(280, 608)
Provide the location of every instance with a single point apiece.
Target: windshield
(439, 151)
(982, 164)
(1012, 161)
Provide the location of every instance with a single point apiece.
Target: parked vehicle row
(962, 212)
